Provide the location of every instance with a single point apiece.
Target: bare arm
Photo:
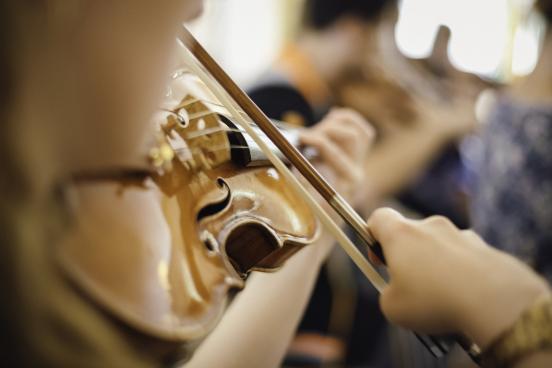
(444, 279)
(257, 328)
(538, 360)
(259, 325)
(398, 160)
(406, 153)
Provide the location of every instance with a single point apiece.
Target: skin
(252, 312)
(336, 49)
(445, 295)
(102, 72)
(63, 98)
(337, 140)
(77, 103)
(417, 296)
(94, 43)
(344, 46)
(536, 88)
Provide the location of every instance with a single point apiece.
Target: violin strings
(211, 131)
(194, 100)
(204, 114)
(199, 115)
(229, 116)
(180, 73)
(205, 131)
(215, 148)
(224, 97)
(228, 93)
(214, 130)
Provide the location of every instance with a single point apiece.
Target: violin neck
(246, 153)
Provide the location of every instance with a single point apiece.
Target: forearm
(537, 360)
(259, 325)
(398, 160)
(464, 286)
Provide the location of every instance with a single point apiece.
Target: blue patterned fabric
(512, 198)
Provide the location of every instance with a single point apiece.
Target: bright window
(488, 37)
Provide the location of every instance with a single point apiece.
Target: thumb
(384, 224)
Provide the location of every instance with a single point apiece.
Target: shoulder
(279, 99)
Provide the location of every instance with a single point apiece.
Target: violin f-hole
(248, 244)
(217, 207)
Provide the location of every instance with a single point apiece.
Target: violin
(229, 213)
(221, 176)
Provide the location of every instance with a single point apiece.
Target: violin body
(176, 243)
(161, 254)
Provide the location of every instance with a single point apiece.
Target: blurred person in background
(421, 107)
(511, 205)
(330, 43)
(298, 89)
(336, 59)
(445, 98)
(443, 293)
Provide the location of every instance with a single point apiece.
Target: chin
(194, 9)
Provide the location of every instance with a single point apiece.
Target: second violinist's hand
(445, 280)
(343, 140)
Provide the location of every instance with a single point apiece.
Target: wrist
(525, 340)
(450, 127)
(316, 253)
(441, 135)
(432, 136)
(496, 304)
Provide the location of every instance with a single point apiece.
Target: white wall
(487, 36)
